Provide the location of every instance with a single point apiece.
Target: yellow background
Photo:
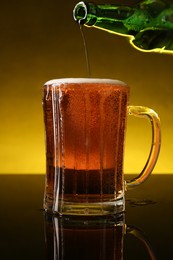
(40, 41)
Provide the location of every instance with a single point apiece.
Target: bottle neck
(147, 24)
(124, 18)
(105, 16)
(89, 13)
(85, 13)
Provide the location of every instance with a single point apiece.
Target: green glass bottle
(147, 24)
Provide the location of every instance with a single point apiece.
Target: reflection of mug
(85, 122)
(89, 238)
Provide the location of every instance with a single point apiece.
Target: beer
(90, 242)
(85, 122)
(84, 238)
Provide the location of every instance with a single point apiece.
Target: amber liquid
(83, 240)
(85, 125)
(91, 244)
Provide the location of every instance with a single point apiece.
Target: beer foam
(56, 82)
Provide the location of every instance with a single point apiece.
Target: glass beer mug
(95, 238)
(85, 124)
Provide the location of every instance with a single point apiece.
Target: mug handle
(139, 234)
(150, 114)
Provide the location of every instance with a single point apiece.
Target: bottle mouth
(80, 13)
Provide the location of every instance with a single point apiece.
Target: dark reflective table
(144, 232)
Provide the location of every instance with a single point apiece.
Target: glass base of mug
(92, 209)
(48, 203)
